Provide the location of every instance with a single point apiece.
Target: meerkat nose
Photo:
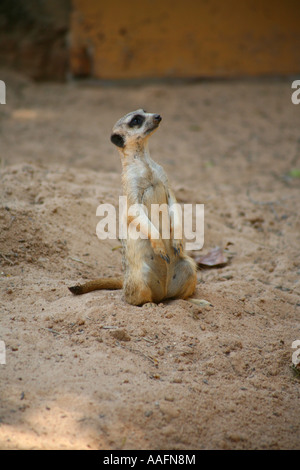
(157, 117)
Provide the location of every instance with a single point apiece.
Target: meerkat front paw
(159, 249)
(177, 247)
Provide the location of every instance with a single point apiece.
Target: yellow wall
(184, 38)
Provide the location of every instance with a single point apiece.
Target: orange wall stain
(185, 38)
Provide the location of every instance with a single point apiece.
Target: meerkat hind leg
(184, 279)
(145, 285)
(137, 293)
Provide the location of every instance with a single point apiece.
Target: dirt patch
(93, 372)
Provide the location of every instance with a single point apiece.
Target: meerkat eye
(137, 120)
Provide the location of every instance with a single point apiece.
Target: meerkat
(155, 268)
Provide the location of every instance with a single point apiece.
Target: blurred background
(59, 39)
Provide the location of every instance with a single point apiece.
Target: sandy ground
(93, 372)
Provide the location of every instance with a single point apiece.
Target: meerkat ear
(118, 140)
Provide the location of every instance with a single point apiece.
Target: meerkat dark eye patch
(118, 140)
(136, 121)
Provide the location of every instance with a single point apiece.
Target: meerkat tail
(110, 283)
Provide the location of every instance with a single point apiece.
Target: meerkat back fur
(155, 267)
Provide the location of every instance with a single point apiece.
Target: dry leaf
(214, 258)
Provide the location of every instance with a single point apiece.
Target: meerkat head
(134, 128)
